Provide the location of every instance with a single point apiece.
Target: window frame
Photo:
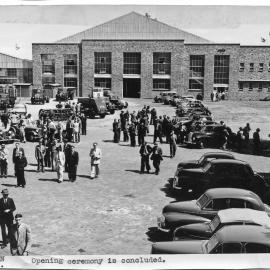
(251, 67)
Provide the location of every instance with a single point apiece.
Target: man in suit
(40, 152)
(20, 242)
(156, 157)
(20, 163)
(7, 207)
(3, 161)
(60, 163)
(15, 154)
(72, 163)
(145, 152)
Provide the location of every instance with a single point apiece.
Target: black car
(93, 107)
(220, 173)
(32, 133)
(208, 136)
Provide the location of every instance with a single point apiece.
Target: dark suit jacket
(20, 163)
(14, 153)
(9, 205)
(73, 159)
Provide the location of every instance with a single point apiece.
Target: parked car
(19, 108)
(161, 97)
(203, 160)
(56, 114)
(93, 107)
(32, 133)
(219, 173)
(118, 102)
(208, 136)
(233, 216)
(65, 93)
(206, 207)
(38, 96)
(267, 98)
(228, 240)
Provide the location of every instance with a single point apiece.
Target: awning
(221, 85)
(252, 80)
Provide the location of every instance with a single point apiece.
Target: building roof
(8, 61)
(133, 26)
(244, 215)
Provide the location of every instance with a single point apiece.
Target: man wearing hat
(95, 155)
(20, 164)
(7, 207)
(3, 160)
(20, 242)
(15, 153)
(72, 163)
(156, 157)
(40, 152)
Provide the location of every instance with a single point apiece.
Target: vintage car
(56, 114)
(267, 98)
(168, 99)
(32, 133)
(38, 96)
(93, 107)
(19, 108)
(233, 216)
(203, 160)
(7, 137)
(206, 207)
(208, 136)
(65, 93)
(118, 102)
(228, 240)
(111, 108)
(161, 97)
(219, 173)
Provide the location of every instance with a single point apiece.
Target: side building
(136, 56)
(16, 71)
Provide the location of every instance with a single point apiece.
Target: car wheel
(102, 115)
(112, 111)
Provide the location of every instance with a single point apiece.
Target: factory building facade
(136, 56)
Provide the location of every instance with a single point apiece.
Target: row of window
(252, 67)
(8, 72)
(158, 84)
(254, 85)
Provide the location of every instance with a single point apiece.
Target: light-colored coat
(21, 239)
(95, 156)
(60, 158)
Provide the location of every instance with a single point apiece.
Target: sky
(22, 25)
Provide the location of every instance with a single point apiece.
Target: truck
(93, 107)
(38, 96)
(65, 93)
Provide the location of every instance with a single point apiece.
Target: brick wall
(117, 48)
(59, 50)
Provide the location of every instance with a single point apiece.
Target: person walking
(72, 163)
(76, 131)
(40, 152)
(158, 131)
(145, 152)
(240, 138)
(84, 124)
(141, 133)
(21, 238)
(256, 142)
(20, 164)
(246, 131)
(156, 157)
(15, 154)
(60, 129)
(95, 155)
(7, 207)
(115, 131)
(173, 146)
(3, 161)
(60, 163)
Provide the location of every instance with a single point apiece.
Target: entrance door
(131, 88)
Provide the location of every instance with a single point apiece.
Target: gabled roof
(8, 61)
(133, 26)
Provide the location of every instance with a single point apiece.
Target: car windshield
(207, 129)
(202, 159)
(211, 244)
(202, 200)
(214, 223)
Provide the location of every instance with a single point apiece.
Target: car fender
(178, 219)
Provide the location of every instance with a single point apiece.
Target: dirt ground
(116, 213)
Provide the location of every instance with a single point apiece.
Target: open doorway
(131, 88)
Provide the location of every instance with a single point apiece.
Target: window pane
(256, 248)
(162, 63)
(132, 63)
(161, 84)
(103, 63)
(70, 82)
(196, 72)
(103, 83)
(70, 64)
(230, 248)
(221, 69)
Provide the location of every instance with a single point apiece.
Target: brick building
(136, 56)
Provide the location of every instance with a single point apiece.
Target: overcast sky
(23, 25)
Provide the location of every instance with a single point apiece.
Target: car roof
(219, 193)
(245, 215)
(218, 154)
(247, 233)
(228, 161)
